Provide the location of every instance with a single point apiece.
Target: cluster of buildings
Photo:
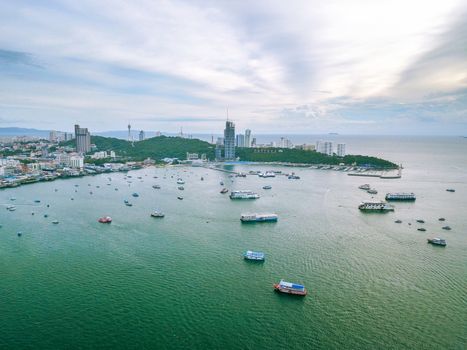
(326, 147)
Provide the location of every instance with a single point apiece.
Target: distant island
(161, 147)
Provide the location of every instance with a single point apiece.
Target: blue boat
(251, 255)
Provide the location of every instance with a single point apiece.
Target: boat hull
(277, 288)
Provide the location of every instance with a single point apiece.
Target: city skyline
(295, 68)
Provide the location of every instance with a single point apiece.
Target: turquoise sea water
(180, 282)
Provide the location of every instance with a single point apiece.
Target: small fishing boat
(46, 216)
(221, 183)
(437, 241)
(446, 228)
(224, 190)
(451, 190)
(365, 187)
(55, 222)
(398, 221)
(156, 187)
(135, 194)
(180, 182)
(128, 204)
(290, 288)
(441, 219)
(19, 234)
(251, 255)
(37, 201)
(421, 221)
(421, 229)
(267, 187)
(181, 188)
(372, 191)
(105, 220)
(180, 197)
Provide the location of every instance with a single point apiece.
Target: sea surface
(181, 283)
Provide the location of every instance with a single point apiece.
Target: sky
(306, 67)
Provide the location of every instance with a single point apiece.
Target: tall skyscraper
(142, 135)
(247, 142)
(83, 139)
(229, 141)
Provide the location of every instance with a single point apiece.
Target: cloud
(297, 66)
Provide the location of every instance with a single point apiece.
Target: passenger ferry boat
(401, 196)
(251, 255)
(375, 206)
(105, 220)
(258, 217)
(245, 194)
(437, 241)
(290, 288)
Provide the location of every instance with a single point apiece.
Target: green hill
(176, 147)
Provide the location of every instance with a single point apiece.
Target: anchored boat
(437, 241)
(375, 206)
(258, 217)
(290, 288)
(245, 194)
(401, 196)
(251, 255)
(105, 220)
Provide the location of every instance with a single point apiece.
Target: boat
(128, 204)
(293, 177)
(437, 241)
(267, 174)
(11, 208)
(180, 197)
(448, 228)
(221, 183)
(421, 221)
(401, 196)
(451, 190)
(267, 187)
(375, 206)
(243, 194)
(12, 199)
(180, 182)
(372, 191)
(251, 255)
(181, 188)
(157, 214)
(135, 194)
(224, 190)
(365, 187)
(398, 221)
(421, 229)
(105, 220)
(37, 201)
(46, 216)
(19, 233)
(290, 288)
(157, 187)
(258, 217)
(441, 219)
(202, 178)
(55, 222)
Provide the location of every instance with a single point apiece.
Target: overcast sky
(353, 67)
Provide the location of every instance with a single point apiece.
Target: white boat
(365, 187)
(375, 206)
(157, 214)
(251, 255)
(437, 241)
(258, 217)
(180, 182)
(243, 194)
(401, 196)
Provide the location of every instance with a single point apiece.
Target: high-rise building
(341, 149)
(285, 143)
(83, 139)
(53, 136)
(229, 141)
(247, 138)
(240, 140)
(253, 142)
(142, 136)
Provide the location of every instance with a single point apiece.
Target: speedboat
(105, 220)
(437, 241)
(157, 214)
